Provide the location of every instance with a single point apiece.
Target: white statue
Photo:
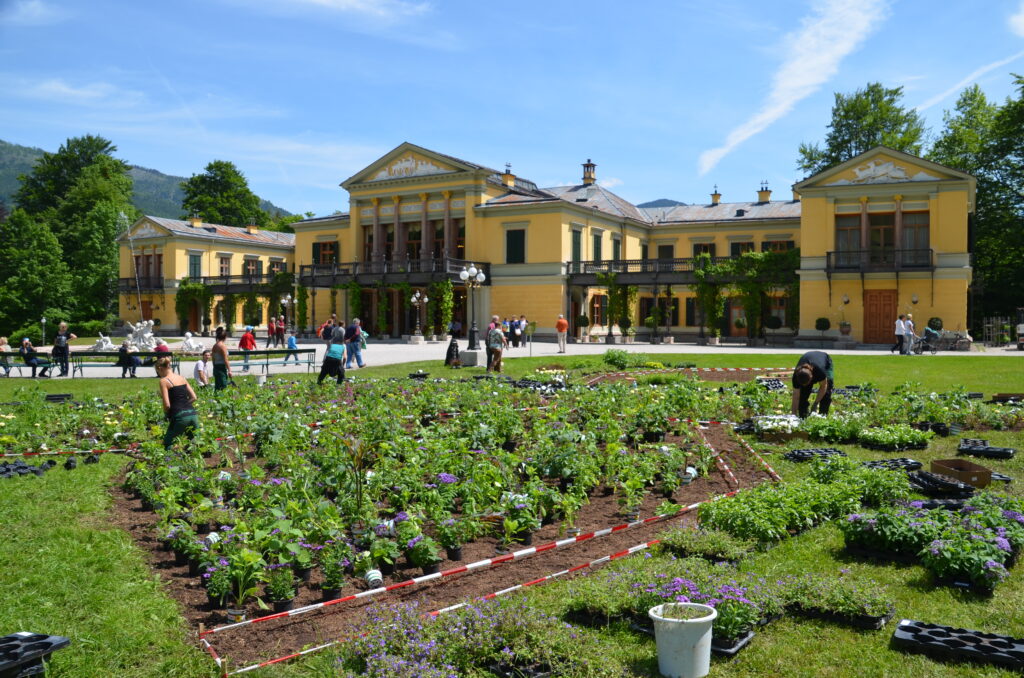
(103, 344)
(140, 336)
(191, 345)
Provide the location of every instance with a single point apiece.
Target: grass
(63, 570)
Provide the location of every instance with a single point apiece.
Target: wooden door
(880, 309)
(147, 310)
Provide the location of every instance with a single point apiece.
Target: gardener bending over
(813, 367)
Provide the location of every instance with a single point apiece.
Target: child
(293, 345)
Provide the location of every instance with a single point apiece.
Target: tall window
(438, 226)
(253, 267)
(666, 251)
(597, 247)
(225, 266)
(598, 309)
(460, 238)
(616, 248)
(577, 246)
(915, 239)
(738, 248)
(882, 237)
(707, 248)
(158, 266)
(847, 240)
(515, 246)
(195, 266)
(648, 304)
(644, 251)
(325, 252)
(413, 243)
(277, 267)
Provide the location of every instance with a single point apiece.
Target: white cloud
(31, 13)
(968, 80)
(813, 54)
(1016, 21)
(610, 182)
(382, 9)
(59, 91)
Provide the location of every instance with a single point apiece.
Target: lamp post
(43, 321)
(418, 300)
(287, 302)
(473, 278)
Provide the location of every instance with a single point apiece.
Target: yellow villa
(882, 234)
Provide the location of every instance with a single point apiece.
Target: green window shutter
(515, 246)
(577, 246)
(316, 253)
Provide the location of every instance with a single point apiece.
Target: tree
(967, 133)
(55, 173)
(867, 118)
(34, 281)
(221, 195)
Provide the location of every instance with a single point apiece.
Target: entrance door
(193, 317)
(147, 310)
(735, 312)
(879, 316)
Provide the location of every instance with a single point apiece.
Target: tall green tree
(34, 280)
(966, 136)
(221, 195)
(55, 173)
(867, 118)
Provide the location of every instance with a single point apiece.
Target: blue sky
(668, 98)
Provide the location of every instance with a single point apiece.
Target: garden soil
(278, 637)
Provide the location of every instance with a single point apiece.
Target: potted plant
(218, 584)
(845, 327)
(332, 565)
(385, 553)
(582, 325)
(247, 571)
(423, 552)
(364, 567)
(280, 587)
(682, 633)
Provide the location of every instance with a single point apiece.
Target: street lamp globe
(472, 270)
(464, 274)
(480, 277)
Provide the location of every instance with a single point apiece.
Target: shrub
(935, 323)
(773, 322)
(823, 324)
(707, 544)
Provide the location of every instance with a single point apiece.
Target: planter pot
(235, 614)
(454, 554)
(431, 569)
(713, 341)
(283, 605)
(729, 648)
(845, 329)
(525, 538)
(574, 532)
(303, 574)
(684, 645)
(180, 558)
(373, 578)
(387, 569)
(330, 594)
(194, 568)
(632, 516)
(654, 436)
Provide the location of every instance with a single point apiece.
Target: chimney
(508, 178)
(764, 194)
(589, 176)
(194, 221)
(716, 197)
(251, 228)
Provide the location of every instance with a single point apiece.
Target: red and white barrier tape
(488, 562)
(771, 471)
(213, 653)
(719, 462)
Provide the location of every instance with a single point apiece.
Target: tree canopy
(55, 173)
(34, 280)
(873, 116)
(221, 195)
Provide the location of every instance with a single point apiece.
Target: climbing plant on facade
(302, 307)
(189, 292)
(355, 299)
(445, 304)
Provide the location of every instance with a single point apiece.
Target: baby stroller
(929, 341)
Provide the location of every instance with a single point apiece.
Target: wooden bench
(16, 362)
(81, 359)
(268, 357)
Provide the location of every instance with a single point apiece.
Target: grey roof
(206, 231)
(314, 220)
(726, 211)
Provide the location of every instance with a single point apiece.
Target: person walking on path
(247, 343)
(279, 337)
(562, 332)
(515, 332)
(354, 344)
(271, 331)
(496, 342)
(332, 366)
(909, 335)
(61, 348)
(293, 345)
(178, 398)
(813, 367)
(901, 329)
(495, 323)
(221, 362)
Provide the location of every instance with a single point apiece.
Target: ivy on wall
(189, 292)
(302, 308)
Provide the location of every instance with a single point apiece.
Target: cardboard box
(964, 471)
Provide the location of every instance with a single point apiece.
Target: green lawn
(63, 570)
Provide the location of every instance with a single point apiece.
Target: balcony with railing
(412, 271)
(639, 271)
(880, 260)
(141, 284)
(234, 284)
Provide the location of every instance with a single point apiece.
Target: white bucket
(261, 380)
(684, 645)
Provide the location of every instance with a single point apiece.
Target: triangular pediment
(145, 228)
(408, 161)
(882, 165)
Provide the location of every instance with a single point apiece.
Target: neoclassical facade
(882, 234)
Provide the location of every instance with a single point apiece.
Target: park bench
(83, 359)
(266, 358)
(16, 362)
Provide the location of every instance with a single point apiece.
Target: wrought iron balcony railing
(880, 259)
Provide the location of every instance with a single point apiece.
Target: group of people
(906, 335)
(276, 329)
(345, 346)
(59, 355)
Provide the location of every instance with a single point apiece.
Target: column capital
(423, 197)
(898, 198)
(396, 199)
(863, 200)
(375, 201)
(447, 194)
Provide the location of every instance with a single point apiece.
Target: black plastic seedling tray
(960, 644)
(980, 448)
(893, 464)
(22, 653)
(808, 454)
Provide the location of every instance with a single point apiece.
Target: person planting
(814, 367)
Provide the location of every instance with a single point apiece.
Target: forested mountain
(154, 193)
